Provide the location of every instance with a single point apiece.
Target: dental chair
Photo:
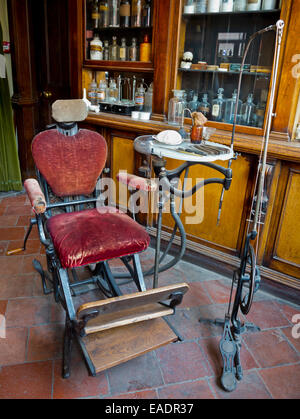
(78, 232)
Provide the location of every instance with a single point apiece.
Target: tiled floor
(30, 354)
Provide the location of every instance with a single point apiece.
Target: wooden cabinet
(219, 246)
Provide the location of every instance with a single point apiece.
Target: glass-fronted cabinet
(118, 62)
(214, 34)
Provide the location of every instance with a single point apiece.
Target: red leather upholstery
(70, 165)
(91, 236)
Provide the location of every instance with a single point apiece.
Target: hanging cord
(260, 175)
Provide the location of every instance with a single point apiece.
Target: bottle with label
(136, 13)
(204, 106)
(103, 12)
(114, 13)
(106, 51)
(92, 92)
(96, 48)
(114, 50)
(112, 92)
(123, 50)
(101, 92)
(218, 107)
(133, 50)
(230, 108)
(149, 99)
(189, 7)
(139, 98)
(145, 49)
(253, 5)
(248, 111)
(125, 13)
(146, 14)
(95, 14)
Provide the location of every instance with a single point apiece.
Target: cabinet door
(283, 248)
(200, 214)
(122, 159)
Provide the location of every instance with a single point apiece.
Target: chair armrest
(137, 182)
(35, 195)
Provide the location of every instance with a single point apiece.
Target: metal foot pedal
(228, 351)
(38, 267)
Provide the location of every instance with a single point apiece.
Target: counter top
(244, 143)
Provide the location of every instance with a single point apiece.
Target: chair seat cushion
(94, 235)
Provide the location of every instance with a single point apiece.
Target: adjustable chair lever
(22, 249)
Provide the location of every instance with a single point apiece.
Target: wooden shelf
(133, 66)
(247, 73)
(246, 12)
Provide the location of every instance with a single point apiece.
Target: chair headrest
(71, 110)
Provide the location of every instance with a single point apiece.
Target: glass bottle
(226, 6)
(193, 104)
(95, 14)
(201, 6)
(260, 114)
(145, 49)
(136, 13)
(139, 99)
(268, 4)
(189, 7)
(101, 92)
(112, 91)
(114, 13)
(230, 108)
(92, 92)
(213, 6)
(248, 110)
(253, 5)
(103, 12)
(125, 13)
(146, 14)
(176, 107)
(114, 50)
(218, 107)
(133, 50)
(123, 50)
(149, 99)
(240, 5)
(96, 48)
(204, 106)
(106, 51)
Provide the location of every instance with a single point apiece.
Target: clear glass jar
(103, 13)
(230, 109)
(176, 108)
(123, 50)
(133, 50)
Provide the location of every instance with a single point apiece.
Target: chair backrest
(71, 165)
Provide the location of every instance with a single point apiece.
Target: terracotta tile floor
(30, 353)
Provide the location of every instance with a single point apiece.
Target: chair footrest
(112, 347)
(132, 315)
